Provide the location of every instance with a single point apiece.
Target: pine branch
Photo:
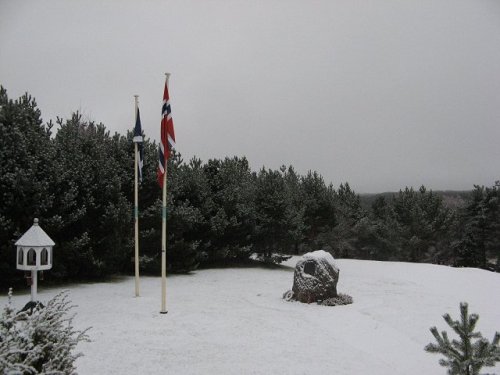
(464, 357)
(41, 342)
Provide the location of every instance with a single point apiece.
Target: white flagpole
(164, 232)
(136, 207)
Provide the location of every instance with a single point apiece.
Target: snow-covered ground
(233, 321)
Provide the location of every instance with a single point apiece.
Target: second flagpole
(136, 208)
(164, 233)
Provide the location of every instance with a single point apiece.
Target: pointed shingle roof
(35, 236)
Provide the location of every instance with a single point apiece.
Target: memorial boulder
(315, 278)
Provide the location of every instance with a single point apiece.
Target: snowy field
(233, 321)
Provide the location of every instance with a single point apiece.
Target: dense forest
(77, 179)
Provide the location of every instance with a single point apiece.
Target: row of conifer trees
(77, 179)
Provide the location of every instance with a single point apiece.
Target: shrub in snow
(341, 299)
(465, 357)
(41, 341)
(274, 258)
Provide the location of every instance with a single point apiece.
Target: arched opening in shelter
(31, 257)
(44, 258)
(20, 257)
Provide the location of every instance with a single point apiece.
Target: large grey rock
(315, 278)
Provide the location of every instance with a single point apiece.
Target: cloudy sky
(382, 94)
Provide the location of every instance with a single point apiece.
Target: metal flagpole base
(163, 312)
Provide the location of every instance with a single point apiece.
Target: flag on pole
(138, 140)
(167, 141)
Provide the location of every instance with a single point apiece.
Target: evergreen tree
(480, 228)
(464, 356)
(350, 221)
(319, 200)
(382, 233)
(186, 189)
(320, 215)
(40, 341)
(271, 206)
(376, 239)
(295, 213)
(231, 214)
(424, 222)
(26, 173)
(186, 193)
(91, 219)
(380, 209)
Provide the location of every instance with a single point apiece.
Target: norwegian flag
(167, 135)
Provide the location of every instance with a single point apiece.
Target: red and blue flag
(167, 141)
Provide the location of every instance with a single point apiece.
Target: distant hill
(452, 199)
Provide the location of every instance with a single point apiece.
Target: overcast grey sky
(382, 94)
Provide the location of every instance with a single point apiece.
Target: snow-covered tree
(320, 214)
(231, 213)
(424, 221)
(41, 340)
(469, 354)
(92, 211)
(271, 232)
(479, 243)
(350, 218)
(26, 171)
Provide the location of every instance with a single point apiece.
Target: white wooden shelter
(34, 253)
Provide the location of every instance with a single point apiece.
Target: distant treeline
(454, 199)
(78, 180)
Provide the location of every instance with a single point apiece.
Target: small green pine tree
(465, 357)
